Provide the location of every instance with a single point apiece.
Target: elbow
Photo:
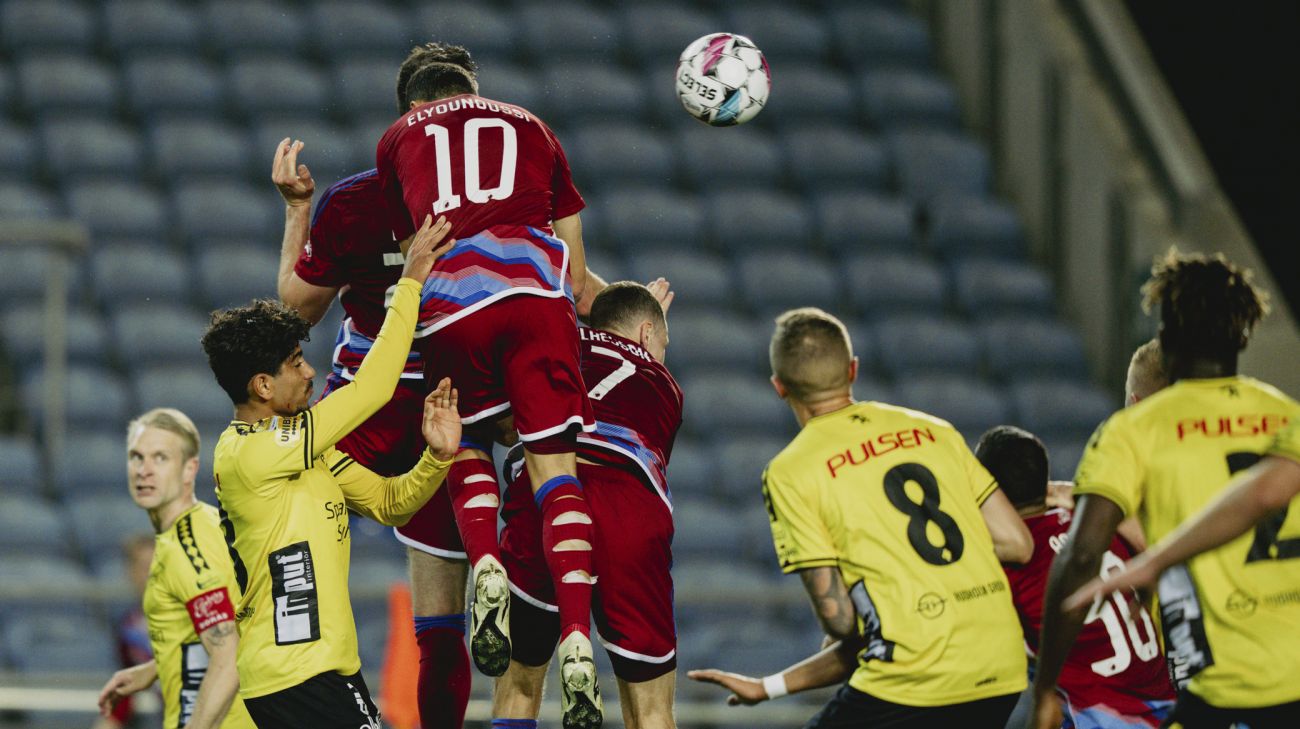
(1017, 549)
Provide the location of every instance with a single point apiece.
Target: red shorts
(390, 443)
(518, 354)
(633, 598)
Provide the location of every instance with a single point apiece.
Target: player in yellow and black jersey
(897, 532)
(1231, 616)
(189, 598)
(285, 493)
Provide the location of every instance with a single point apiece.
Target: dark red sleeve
(399, 219)
(566, 200)
(321, 260)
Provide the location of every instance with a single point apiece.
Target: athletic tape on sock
(455, 621)
(553, 484)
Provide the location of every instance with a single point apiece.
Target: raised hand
(745, 690)
(441, 426)
(660, 288)
(421, 253)
(292, 179)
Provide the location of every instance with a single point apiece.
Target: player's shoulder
(192, 540)
(890, 413)
(1269, 393)
(353, 195)
(267, 437)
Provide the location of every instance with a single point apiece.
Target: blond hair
(1146, 371)
(172, 421)
(810, 354)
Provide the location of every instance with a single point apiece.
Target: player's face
(292, 385)
(156, 468)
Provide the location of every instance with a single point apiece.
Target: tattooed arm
(221, 682)
(830, 600)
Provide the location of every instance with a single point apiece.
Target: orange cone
(398, 699)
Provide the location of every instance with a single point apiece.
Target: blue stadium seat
(567, 29)
(699, 279)
(717, 340)
(57, 571)
(87, 149)
(7, 94)
(149, 25)
(17, 151)
(744, 221)
(118, 210)
(93, 396)
(773, 282)
(882, 284)
(21, 201)
(965, 226)
(721, 402)
(1061, 409)
(583, 92)
(21, 470)
(93, 461)
(1063, 457)
(894, 98)
(656, 34)
(213, 209)
(364, 87)
(868, 35)
(31, 525)
(732, 158)
(931, 164)
(54, 643)
(330, 151)
(489, 33)
(278, 85)
(915, 345)
(834, 157)
(1024, 346)
(985, 287)
(692, 470)
(67, 84)
(45, 25)
(158, 333)
(863, 340)
(651, 218)
(741, 460)
(174, 84)
(25, 334)
(375, 574)
(850, 221)
(972, 406)
(811, 93)
(337, 28)
(234, 275)
(610, 154)
(198, 149)
(513, 85)
(23, 275)
(236, 27)
(189, 388)
(605, 263)
(704, 529)
(872, 389)
(319, 350)
(100, 523)
(783, 32)
(130, 273)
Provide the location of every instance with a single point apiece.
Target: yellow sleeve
(982, 483)
(1111, 467)
(198, 572)
(798, 532)
(1287, 443)
(391, 501)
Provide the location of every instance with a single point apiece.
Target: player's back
(892, 498)
(1235, 609)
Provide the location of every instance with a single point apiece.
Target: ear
(412, 105)
(261, 386)
(644, 333)
(190, 471)
(779, 387)
(853, 370)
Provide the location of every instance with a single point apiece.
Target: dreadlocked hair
(427, 53)
(251, 340)
(1208, 305)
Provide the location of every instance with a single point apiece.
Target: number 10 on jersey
(473, 187)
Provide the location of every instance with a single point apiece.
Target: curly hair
(251, 340)
(1208, 305)
(423, 55)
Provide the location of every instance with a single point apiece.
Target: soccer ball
(723, 79)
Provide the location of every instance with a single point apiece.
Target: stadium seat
(237, 27)
(87, 149)
(966, 226)
(744, 221)
(736, 158)
(583, 92)
(783, 32)
(93, 396)
(810, 94)
(23, 277)
(67, 84)
(651, 218)
(656, 34)
(1060, 409)
(704, 528)
(851, 221)
(1063, 458)
(101, 522)
(339, 28)
(200, 149)
(18, 152)
(31, 525)
(93, 461)
(219, 209)
(513, 85)
(699, 279)
(7, 93)
(714, 339)
(319, 350)
(233, 275)
(772, 282)
(45, 25)
(173, 84)
(487, 32)
(133, 273)
(364, 87)
(21, 470)
(971, 405)
(375, 575)
(872, 389)
(721, 402)
(692, 472)
(741, 460)
(278, 85)
(984, 287)
(868, 35)
(132, 26)
(930, 164)
(20, 201)
(56, 643)
(601, 155)
(1019, 347)
(330, 151)
(915, 345)
(37, 569)
(834, 157)
(565, 29)
(881, 284)
(25, 334)
(157, 333)
(118, 210)
(189, 388)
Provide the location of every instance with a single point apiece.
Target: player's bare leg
(438, 591)
(518, 692)
(648, 704)
(567, 545)
(476, 502)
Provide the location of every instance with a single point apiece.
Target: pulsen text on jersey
(878, 446)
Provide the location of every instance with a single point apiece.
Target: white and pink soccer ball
(723, 79)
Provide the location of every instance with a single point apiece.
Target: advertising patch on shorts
(293, 588)
(210, 608)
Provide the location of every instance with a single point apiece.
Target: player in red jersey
(638, 408)
(498, 312)
(1115, 676)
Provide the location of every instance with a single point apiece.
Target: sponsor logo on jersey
(210, 608)
(1186, 646)
(1239, 426)
(287, 431)
(194, 664)
(293, 590)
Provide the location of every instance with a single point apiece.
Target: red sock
(443, 687)
(475, 500)
(560, 499)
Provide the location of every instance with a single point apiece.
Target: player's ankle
(575, 627)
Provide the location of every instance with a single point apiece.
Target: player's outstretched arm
(1012, 541)
(585, 284)
(392, 501)
(1262, 490)
(829, 666)
(221, 681)
(344, 409)
(126, 682)
(296, 186)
